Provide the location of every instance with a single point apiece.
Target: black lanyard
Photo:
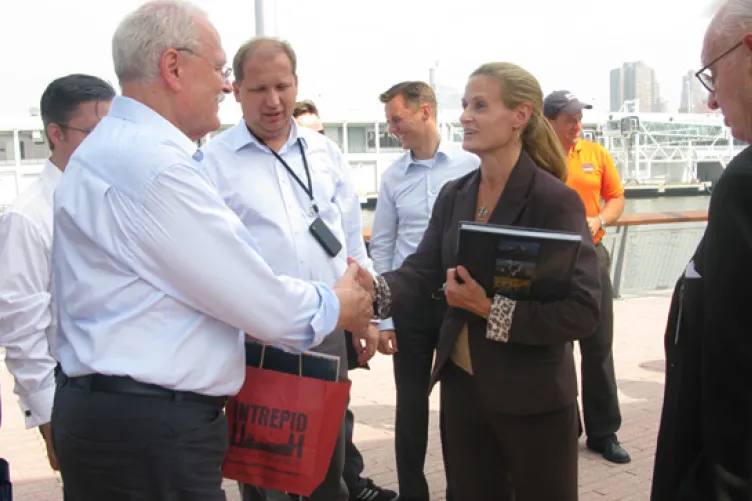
(308, 189)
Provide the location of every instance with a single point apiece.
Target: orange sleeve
(611, 186)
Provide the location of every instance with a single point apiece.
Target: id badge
(325, 237)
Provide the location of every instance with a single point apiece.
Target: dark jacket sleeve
(576, 316)
(422, 272)
(726, 270)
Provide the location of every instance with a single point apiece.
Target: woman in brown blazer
(508, 383)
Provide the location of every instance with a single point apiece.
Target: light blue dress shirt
(154, 276)
(275, 208)
(408, 191)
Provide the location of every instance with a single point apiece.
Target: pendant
(482, 211)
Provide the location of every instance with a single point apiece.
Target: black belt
(129, 386)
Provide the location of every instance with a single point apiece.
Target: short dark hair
(62, 97)
(305, 107)
(246, 50)
(415, 93)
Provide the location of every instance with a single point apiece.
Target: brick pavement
(638, 351)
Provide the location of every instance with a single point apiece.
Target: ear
(171, 70)
(55, 134)
(236, 90)
(522, 115)
(425, 111)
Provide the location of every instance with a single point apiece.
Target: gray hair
(732, 19)
(146, 33)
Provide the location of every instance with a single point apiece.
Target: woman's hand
(469, 295)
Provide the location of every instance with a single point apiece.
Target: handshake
(356, 294)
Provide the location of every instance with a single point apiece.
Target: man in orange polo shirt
(593, 175)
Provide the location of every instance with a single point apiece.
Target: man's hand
(594, 223)
(46, 431)
(366, 345)
(364, 277)
(387, 342)
(355, 303)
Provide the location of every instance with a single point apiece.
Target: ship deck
(638, 352)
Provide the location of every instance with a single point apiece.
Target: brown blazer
(534, 371)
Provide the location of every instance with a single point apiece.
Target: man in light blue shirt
(408, 191)
(292, 189)
(156, 279)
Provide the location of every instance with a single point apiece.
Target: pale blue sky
(350, 50)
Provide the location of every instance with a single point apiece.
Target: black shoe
(611, 450)
(372, 492)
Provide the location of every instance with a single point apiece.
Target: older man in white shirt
(156, 279)
(292, 189)
(71, 106)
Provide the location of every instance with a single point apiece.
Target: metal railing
(648, 251)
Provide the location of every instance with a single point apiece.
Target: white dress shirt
(154, 276)
(275, 208)
(26, 316)
(408, 191)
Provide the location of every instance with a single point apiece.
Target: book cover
(306, 364)
(519, 263)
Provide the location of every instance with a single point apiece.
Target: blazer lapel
(513, 198)
(467, 199)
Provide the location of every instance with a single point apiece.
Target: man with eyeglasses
(704, 447)
(71, 107)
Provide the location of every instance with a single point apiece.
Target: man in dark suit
(705, 438)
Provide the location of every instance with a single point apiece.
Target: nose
(712, 101)
(465, 118)
(392, 129)
(272, 99)
(226, 86)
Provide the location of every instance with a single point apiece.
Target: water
(632, 206)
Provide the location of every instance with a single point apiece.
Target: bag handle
(300, 361)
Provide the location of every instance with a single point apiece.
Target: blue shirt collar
(241, 137)
(126, 108)
(444, 150)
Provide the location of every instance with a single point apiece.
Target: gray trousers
(333, 488)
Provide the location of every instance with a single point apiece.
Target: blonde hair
(518, 87)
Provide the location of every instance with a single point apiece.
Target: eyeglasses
(84, 131)
(705, 75)
(225, 71)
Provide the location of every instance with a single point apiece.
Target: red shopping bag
(283, 429)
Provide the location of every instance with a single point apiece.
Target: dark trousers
(353, 459)
(136, 448)
(499, 457)
(417, 336)
(600, 402)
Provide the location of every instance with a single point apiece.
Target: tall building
(694, 97)
(635, 81)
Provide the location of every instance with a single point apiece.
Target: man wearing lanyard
(593, 175)
(291, 188)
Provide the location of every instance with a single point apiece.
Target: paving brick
(638, 353)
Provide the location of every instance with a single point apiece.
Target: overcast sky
(351, 50)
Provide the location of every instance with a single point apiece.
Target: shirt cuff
(387, 325)
(383, 302)
(500, 319)
(325, 320)
(37, 408)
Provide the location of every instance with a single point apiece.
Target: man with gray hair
(156, 279)
(704, 448)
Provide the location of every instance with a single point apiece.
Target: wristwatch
(603, 222)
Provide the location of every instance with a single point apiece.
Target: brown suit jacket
(534, 371)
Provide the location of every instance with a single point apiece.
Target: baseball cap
(563, 101)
